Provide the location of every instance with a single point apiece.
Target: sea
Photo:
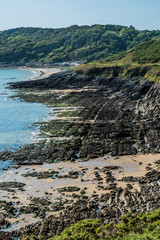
(17, 117)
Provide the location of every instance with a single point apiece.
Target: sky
(142, 14)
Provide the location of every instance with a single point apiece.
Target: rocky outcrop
(118, 116)
(108, 207)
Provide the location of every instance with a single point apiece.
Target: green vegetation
(33, 238)
(141, 61)
(85, 229)
(142, 226)
(148, 52)
(74, 43)
(68, 114)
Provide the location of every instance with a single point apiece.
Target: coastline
(43, 72)
(39, 72)
(47, 180)
(47, 191)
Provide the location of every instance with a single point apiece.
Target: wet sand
(43, 72)
(51, 188)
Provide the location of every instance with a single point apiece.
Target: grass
(122, 70)
(142, 61)
(68, 114)
(142, 226)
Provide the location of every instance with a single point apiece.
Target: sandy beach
(42, 72)
(61, 181)
(86, 166)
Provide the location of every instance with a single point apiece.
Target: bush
(83, 230)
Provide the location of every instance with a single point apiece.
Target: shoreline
(43, 72)
(40, 73)
(57, 184)
(69, 180)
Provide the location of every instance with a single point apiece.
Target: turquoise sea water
(16, 116)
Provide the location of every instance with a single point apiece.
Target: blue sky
(142, 14)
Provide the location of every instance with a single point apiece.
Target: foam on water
(17, 117)
(5, 170)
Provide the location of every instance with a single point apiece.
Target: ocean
(16, 116)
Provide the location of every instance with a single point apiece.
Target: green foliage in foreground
(142, 226)
(85, 229)
(33, 237)
(74, 43)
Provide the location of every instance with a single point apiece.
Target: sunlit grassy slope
(141, 61)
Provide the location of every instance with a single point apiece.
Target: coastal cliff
(95, 116)
(101, 147)
(117, 116)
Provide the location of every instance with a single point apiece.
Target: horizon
(143, 15)
(80, 26)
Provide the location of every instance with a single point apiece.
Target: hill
(141, 61)
(75, 43)
(110, 108)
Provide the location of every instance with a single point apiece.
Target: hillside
(75, 43)
(102, 111)
(141, 61)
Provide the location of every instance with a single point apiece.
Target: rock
(68, 189)
(12, 186)
(107, 124)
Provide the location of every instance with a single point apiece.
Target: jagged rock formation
(109, 207)
(119, 116)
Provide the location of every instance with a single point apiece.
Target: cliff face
(118, 116)
(148, 111)
(109, 116)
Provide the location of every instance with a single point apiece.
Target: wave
(36, 73)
